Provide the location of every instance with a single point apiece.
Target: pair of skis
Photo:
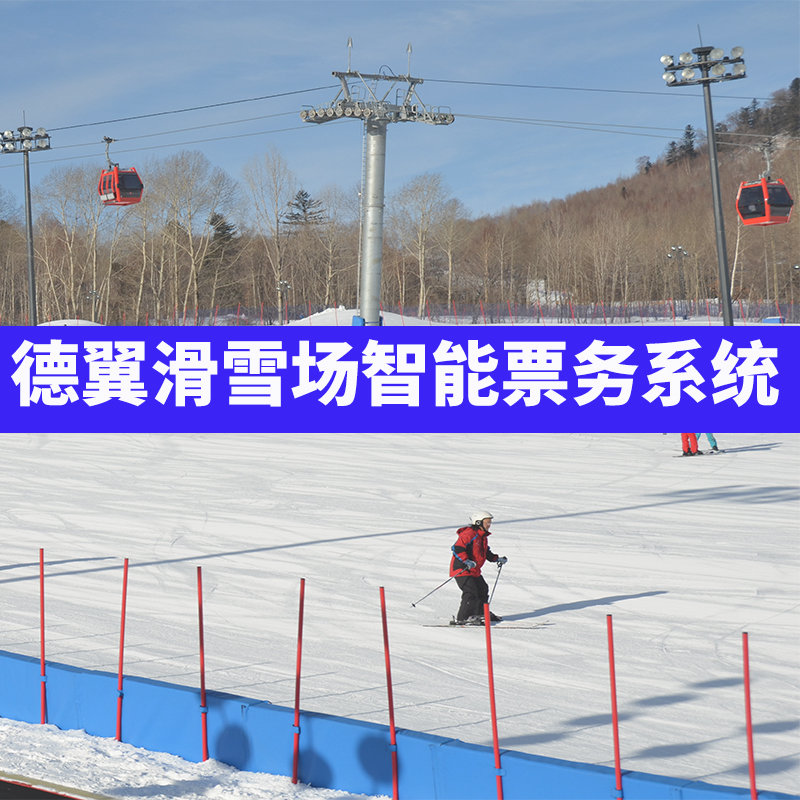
(502, 624)
(701, 453)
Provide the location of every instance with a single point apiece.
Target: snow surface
(685, 553)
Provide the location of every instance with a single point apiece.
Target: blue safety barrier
(335, 752)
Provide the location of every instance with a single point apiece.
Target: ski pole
(499, 568)
(439, 587)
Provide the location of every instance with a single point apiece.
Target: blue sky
(71, 63)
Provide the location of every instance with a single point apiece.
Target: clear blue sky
(69, 62)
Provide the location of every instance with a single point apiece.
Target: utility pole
(23, 142)
(360, 97)
(714, 66)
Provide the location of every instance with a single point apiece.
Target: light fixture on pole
(704, 66)
(24, 141)
(679, 252)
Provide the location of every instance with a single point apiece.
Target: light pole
(678, 252)
(712, 65)
(23, 142)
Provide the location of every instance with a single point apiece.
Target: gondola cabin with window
(764, 202)
(120, 187)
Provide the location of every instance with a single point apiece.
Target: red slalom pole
(203, 706)
(296, 757)
(392, 732)
(751, 761)
(498, 770)
(41, 637)
(121, 649)
(614, 714)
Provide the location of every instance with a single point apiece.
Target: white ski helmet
(477, 517)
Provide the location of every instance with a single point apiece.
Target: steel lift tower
(361, 98)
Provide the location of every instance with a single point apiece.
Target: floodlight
(667, 61)
(739, 69)
(25, 132)
(40, 132)
(685, 58)
(9, 147)
(688, 74)
(737, 52)
(716, 54)
(718, 69)
(43, 143)
(27, 144)
(669, 77)
(8, 135)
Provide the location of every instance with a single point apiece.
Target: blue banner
(423, 379)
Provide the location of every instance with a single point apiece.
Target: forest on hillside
(202, 246)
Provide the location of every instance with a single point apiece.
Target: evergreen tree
(686, 148)
(304, 210)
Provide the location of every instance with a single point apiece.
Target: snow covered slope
(685, 553)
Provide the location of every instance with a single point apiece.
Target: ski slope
(685, 553)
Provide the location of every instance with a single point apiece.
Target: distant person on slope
(470, 552)
(689, 444)
(711, 440)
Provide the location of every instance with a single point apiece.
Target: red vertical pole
(296, 757)
(571, 311)
(455, 313)
(400, 309)
(748, 718)
(121, 649)
(203, 706)
(493, 707)
(741, 311)
(483, 313)
(41, 637)
(392, 732)
(614, 714)
(510, 312)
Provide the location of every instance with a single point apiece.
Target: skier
(689, 444)
(711, 440)
(470, 552)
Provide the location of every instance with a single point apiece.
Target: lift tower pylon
(360, 98)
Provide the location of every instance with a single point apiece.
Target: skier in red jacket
(470, 552)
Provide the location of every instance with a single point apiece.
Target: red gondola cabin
(120, 187)
(764, 202)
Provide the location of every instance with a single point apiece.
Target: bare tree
(416, 210)
(271, 187)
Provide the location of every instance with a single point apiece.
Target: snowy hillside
(685, 553)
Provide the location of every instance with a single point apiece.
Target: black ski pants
(474, 593)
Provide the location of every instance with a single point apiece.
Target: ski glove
(469, 564)
(502, 560)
